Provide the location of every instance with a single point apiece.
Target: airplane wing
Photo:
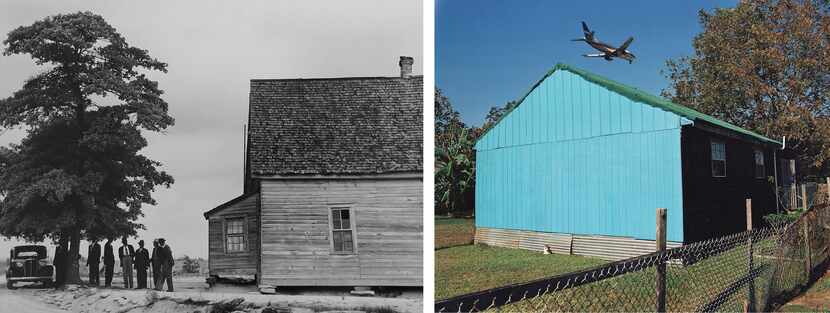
(594, 55)
(624, 45)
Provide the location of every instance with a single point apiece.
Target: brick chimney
(406, 66)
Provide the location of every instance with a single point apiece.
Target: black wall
(715, 206)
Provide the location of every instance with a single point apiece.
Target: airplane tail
(589, 34)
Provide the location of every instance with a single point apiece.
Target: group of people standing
(160, 262)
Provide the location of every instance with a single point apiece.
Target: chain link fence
(802, 195)
(748, 271)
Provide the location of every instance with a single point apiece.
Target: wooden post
(661, 266)
(827, 190)
(793, 191)
(827, 181)
(808, 253)
(804, 196)
(750, 297)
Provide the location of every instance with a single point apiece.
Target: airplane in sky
(608, 51)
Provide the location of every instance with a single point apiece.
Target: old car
(29, 263)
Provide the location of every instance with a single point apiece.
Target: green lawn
(450, 232)
(465, 269)
(470, 268)
(462, 268)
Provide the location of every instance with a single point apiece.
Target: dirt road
(23, 301)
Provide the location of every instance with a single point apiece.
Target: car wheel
(10, 284)
(47, 283)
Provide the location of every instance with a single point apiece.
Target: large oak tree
(764, 65)
(78, 173)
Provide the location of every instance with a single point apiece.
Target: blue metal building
(582, 162)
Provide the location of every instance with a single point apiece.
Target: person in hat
(166, 263)
(156, 262)
(142, 262)
(93, 258)
(109, 263)
(126, 254)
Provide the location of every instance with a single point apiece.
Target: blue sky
(490, 52)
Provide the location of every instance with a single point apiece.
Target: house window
(759, 164)
(718, 159)
(235, 234)
(342, 226)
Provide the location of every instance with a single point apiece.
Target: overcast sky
(213, 49)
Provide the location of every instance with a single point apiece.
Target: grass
(815, 299)
(450, 232)
(465, 269)
(687, 288)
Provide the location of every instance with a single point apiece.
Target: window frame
(763, 164)
(244, 235)
(352, 229)
(712, 143)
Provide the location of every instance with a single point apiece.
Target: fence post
(804, 196)
(661, 266)
(793, 187)
(808, 257)
(827, 181)
(750, 299)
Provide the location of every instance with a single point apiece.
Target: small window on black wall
(759, 164)
(718, 159)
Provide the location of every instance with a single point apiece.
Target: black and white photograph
(212, 156)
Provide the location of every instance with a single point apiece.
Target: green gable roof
(643, 97)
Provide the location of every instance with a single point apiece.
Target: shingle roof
(337, 126)
(229, 203)
(641, 96)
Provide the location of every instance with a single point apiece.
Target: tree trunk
(73, 275)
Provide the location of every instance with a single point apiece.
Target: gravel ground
(192, 295)
(24, 301)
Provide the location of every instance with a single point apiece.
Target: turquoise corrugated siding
(577, 158)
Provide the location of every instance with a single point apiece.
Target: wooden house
(580, 165)
(333, 185)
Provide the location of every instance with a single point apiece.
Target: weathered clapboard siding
(387, 214)
(603, 247)
(221, 263)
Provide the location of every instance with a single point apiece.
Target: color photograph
(631, 156)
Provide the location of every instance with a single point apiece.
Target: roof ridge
(334, 78)
(636, 95)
